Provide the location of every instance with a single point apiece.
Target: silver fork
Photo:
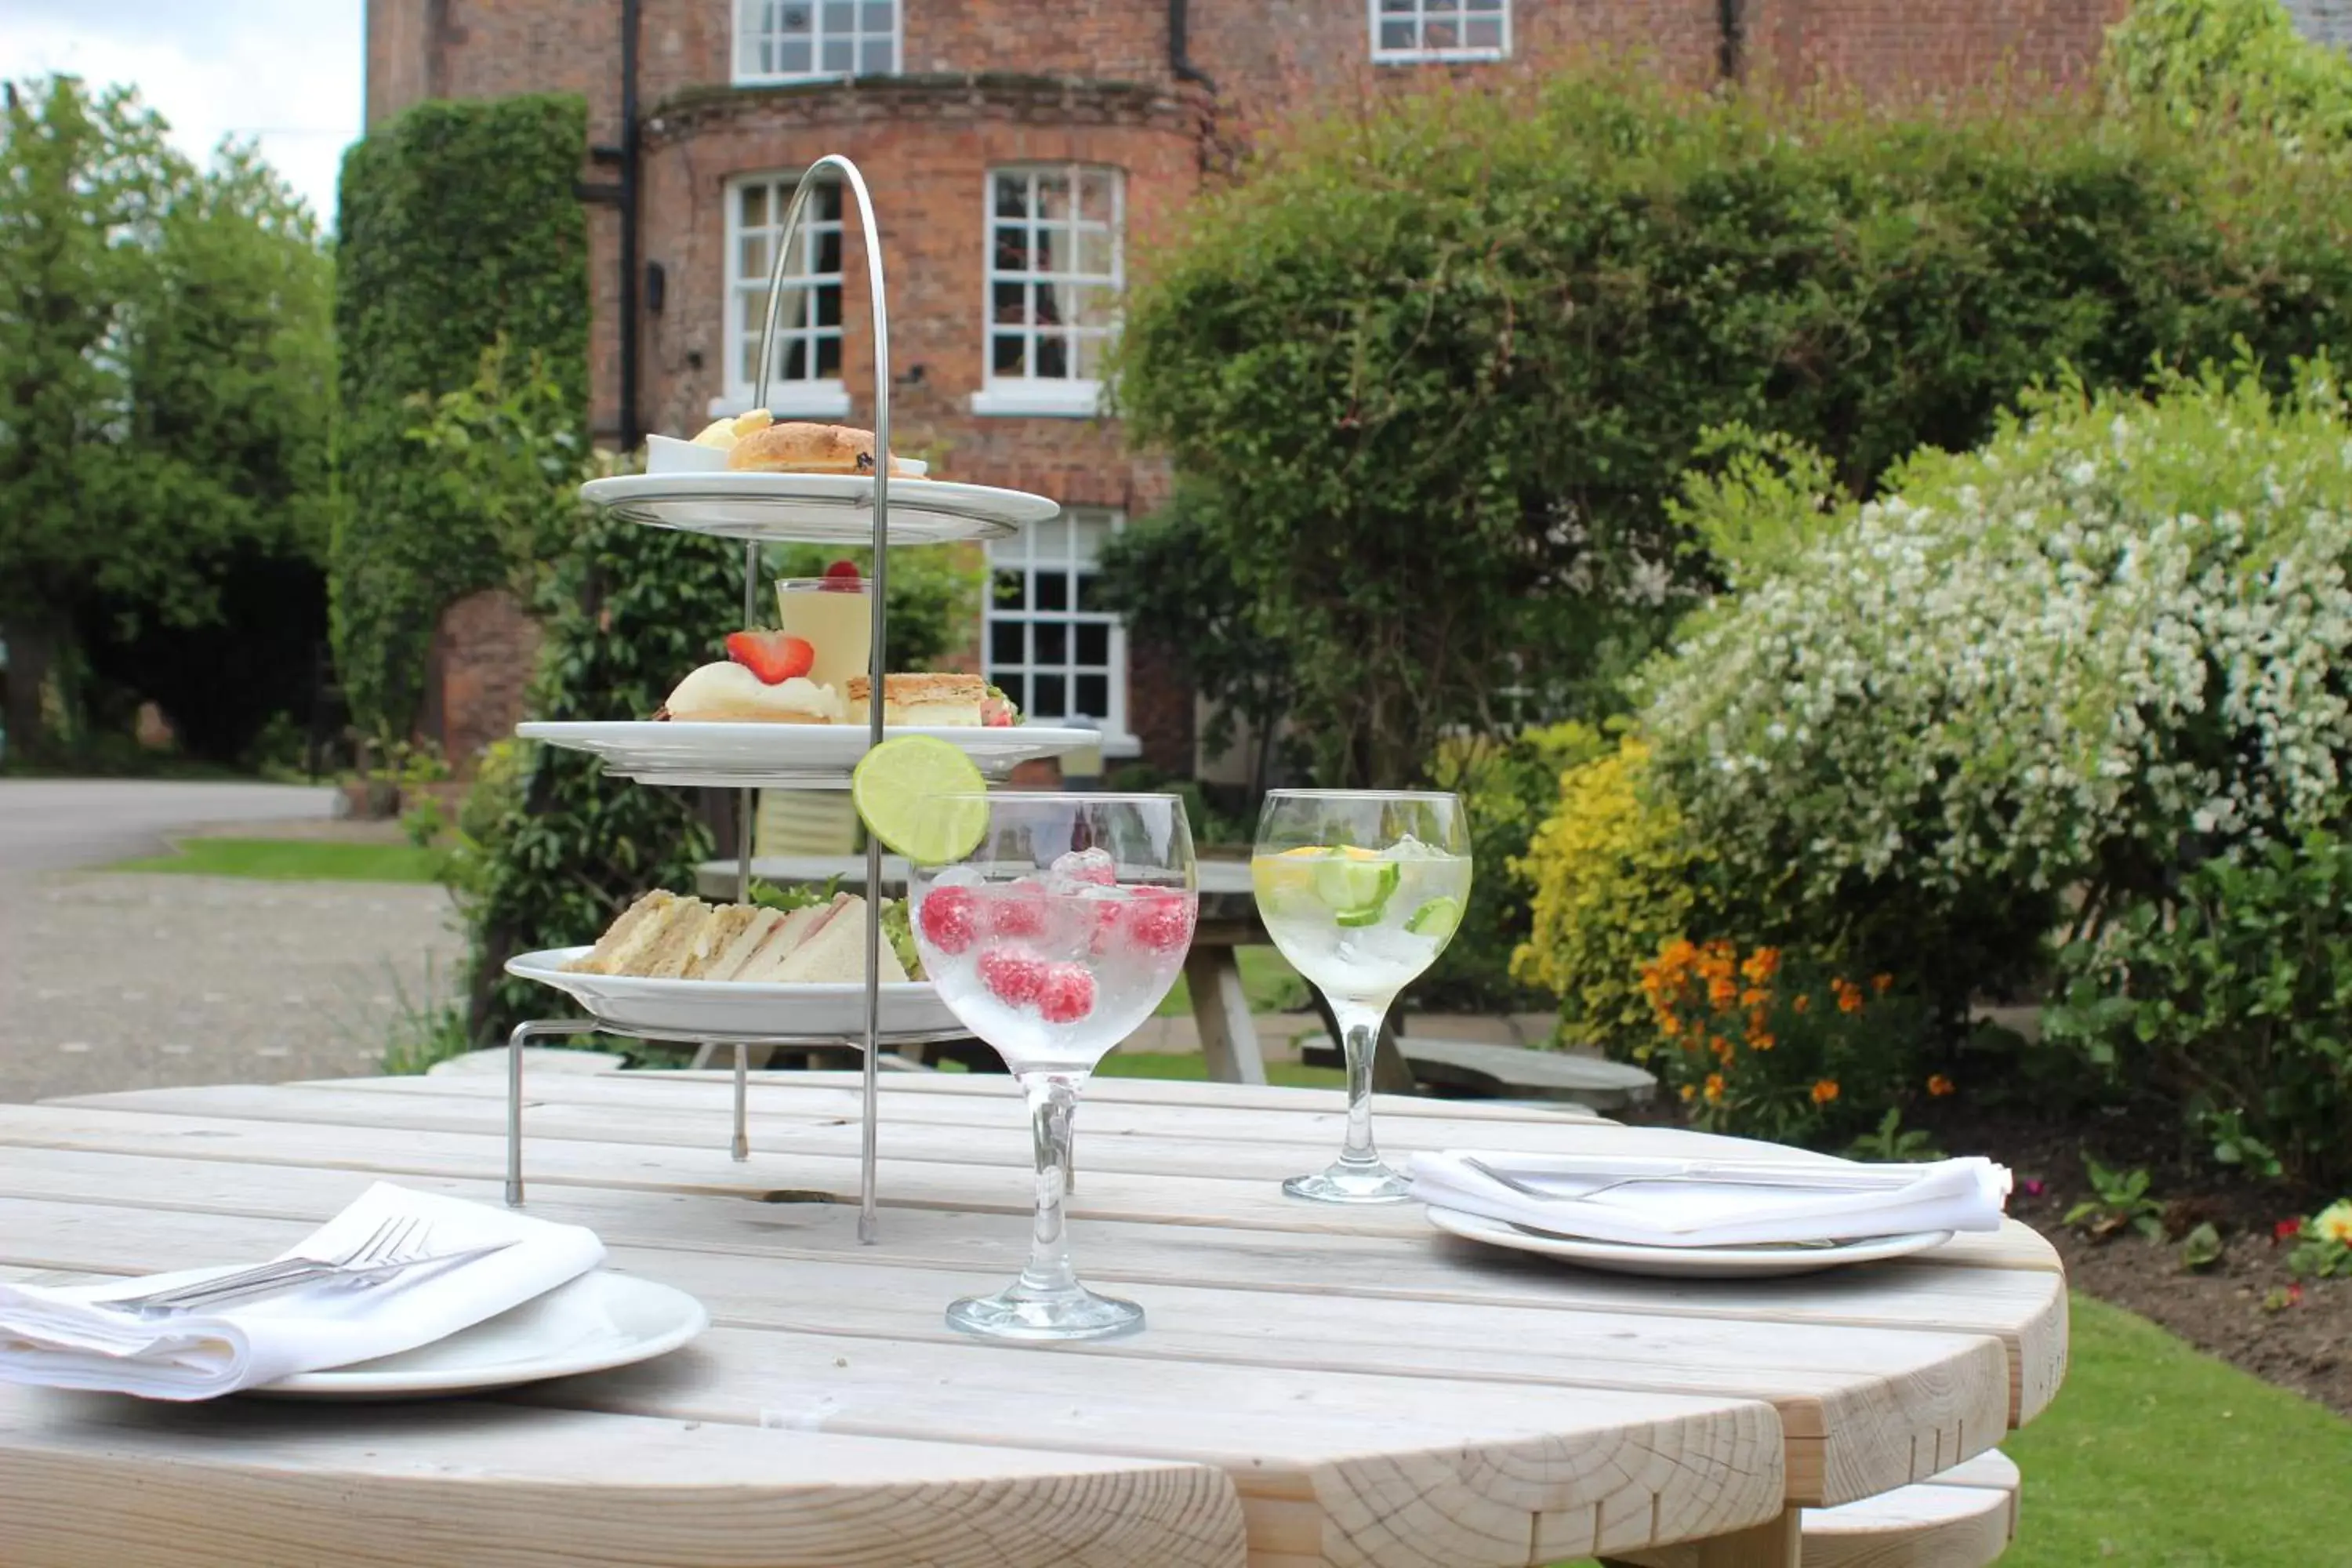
(397, 1237)
(361, 1277)
(1824, 1183)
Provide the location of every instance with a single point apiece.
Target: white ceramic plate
(697, 1009)
(823, 509)
(599, 1320)
(747, 755)
(1686, 1262)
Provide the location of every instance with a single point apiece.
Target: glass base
(1346, 1184)
(1018, 1313)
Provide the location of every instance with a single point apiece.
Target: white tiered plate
(1686, 1262)
(693, 1009)
(745, 755)
(821, 509)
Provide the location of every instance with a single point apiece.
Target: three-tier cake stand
(780, 507)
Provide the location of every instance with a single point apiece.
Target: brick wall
(483, 652)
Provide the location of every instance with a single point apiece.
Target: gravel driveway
(114, 979)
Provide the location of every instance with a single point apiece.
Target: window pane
(1006, 358)
(1094, 696)
(829, 305)
(1093, 253)
(1087, 531)
(1396, 34)
(1052, 300)
(880, 59)
(1010, 593)
(1053, 590)
(751, 256)
(1016, 687)
(1052, 358)
(1011, 250)
(1009, 303)
(1054, 197)
(1048, 701)
(1094, 194)
(1012, 195)
(1052, 642)
(1398, 5)
(828, 251)
(1436, 35)
(840, 54)
(828, 359)
(1094, 305)
(790, 18)
(878, 15)
(793, 59)
(1094, 642)
(795, 358)
(1090, 593)
(1053, 248)
(755, 206)
(1086, 356)
(1485, 33)
(1485, 4)
(825, 202)
(1005, 642)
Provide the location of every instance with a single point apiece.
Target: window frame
(1419, 55)
(1051, 396)
(825, 395)
(1119, 741)
(738, 45)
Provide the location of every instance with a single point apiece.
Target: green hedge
(1441, 361)
(459, 228)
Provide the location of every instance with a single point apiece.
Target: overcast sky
(286, 73)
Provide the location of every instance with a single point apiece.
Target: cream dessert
(764, 679)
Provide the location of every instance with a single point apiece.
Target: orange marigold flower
(1755, 996)
(1715, 1088)
(1800, 1002)
(1690, 1091)
(1824, 1091)
(1721, 1048)
(1849, 996)
(1763, 965)
(1882, 983)
(1939, 1086)
(1762, 1042)
(1721, 992)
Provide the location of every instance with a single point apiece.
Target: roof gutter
(1179, 62)
(1731, 39)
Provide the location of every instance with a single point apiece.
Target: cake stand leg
(742, 1148)
(515, 1042)
(870, 1078)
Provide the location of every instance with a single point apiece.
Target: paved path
(111, 980)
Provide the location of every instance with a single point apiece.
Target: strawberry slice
(843, 577)
(773, 657)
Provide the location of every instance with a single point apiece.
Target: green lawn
(2155, 1455)
(292, 860)
(1187, 1064)
(1271, 985)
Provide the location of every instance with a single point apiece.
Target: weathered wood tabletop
(1314, 1385)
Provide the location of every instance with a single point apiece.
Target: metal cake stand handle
(878, 597)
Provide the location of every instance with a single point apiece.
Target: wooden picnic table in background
(1315, 1385)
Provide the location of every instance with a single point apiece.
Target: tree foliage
(2232, 65)
(164, 366)
(460, 230)
(1440, 361)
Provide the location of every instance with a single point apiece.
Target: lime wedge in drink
(894, 789)
(1436, 918)
(1354, 885)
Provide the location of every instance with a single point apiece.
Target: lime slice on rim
(1354, 885)
(1437, 917)
(894, 789)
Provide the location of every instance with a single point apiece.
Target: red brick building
(1021, 153)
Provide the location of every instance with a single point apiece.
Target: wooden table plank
(96, 1482)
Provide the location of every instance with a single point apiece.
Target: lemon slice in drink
(895, 788)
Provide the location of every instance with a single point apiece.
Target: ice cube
(1086, 866)
(960, 876)
(1408, 847)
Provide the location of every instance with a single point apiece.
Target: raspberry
(1014, 977)
(1162, 924)
(1017, 911)
(1065, 995)
(950, 918)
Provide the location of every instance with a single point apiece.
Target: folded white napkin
(63, 1337)
(1950, 1194)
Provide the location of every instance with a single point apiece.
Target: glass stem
(1360, 1035)
(1053, 1100)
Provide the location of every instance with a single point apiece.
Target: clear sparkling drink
(1053, 969)
(1361, 923)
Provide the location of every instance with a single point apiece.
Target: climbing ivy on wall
(460, 228)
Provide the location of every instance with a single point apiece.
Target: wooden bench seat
(1475, 1069)
(1961, 1518)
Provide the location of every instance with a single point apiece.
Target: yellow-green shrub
(1614, 876)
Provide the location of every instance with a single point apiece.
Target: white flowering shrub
(2113, 636)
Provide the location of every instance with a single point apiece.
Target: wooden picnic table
(1314, 1385)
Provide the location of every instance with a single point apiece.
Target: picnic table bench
(1316, 1385)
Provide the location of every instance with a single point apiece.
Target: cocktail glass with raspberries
(1054, 940)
